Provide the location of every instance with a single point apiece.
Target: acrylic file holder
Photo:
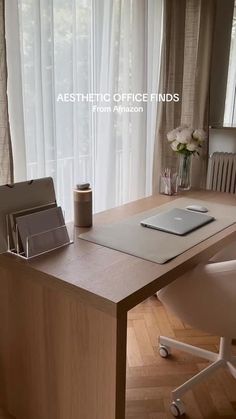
(40, 243)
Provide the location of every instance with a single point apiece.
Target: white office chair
(227, 253)
(205, 299)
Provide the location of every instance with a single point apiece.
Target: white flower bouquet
(185, 140)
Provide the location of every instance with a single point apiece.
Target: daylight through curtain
(87, 46)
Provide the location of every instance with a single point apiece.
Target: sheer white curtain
(230, 99)
(84, 46)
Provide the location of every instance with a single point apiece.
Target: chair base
(222, 359)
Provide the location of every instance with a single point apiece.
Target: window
(87, 46)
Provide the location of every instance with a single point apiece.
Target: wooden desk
(63, 320)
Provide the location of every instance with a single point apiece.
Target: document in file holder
(12, 226)
(22, 196)
(42, 231)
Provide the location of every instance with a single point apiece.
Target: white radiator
(221, 175)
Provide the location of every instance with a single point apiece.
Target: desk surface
(114, 281)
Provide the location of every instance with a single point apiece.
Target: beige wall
(222, 139)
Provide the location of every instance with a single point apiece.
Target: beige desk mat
(130, 237)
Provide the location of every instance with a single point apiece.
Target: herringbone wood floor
(150, 378)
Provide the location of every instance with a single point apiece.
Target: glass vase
(185, 161)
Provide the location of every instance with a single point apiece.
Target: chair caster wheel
(164, 351)
(177, 408)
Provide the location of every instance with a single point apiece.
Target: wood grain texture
(63, 317)
(114, 281)
(60, 358)
(150, 378)
(5, 415)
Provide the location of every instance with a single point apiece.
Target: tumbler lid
(83, 186)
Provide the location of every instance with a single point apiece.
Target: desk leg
(60, 358)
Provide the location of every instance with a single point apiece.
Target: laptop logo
(178, 218)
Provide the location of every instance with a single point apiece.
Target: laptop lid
(177, 221)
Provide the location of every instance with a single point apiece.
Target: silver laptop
(177, 221)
